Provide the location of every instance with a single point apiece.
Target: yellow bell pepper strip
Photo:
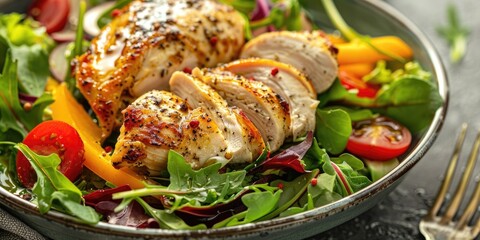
(357, 69)
(335, 39)
(67, 109)
(361, 52)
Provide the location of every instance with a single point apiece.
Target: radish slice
(58, 61)
(63, 36)
(91, 17)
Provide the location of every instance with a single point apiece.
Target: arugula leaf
(14, 117)
(258, 205)
(53, 189)
(355, 163)
(315, 156)
(333, 128)
(323, 192)
(167, 219)
(349, 181)
(455, 34)
(292, 191)
(206, 185)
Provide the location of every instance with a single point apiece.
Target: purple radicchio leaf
(133, 215)
(289, 158)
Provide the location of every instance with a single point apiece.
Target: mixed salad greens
(365, 122)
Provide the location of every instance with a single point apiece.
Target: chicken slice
(267, 110)
(245, 142)
(158, 122)
(140, 49)
(286, 81)
(310, 52)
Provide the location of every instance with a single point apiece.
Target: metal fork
(433, 226)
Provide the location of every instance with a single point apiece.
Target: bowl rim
(18, 204)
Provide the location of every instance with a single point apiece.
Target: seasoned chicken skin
(310, 52)
(244, 141)
(268, 111)
(160, 121)
(287, 82)
(141, 48)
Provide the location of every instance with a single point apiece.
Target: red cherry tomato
(379, 139)
(53, 14)
(350, 81)
(52, 137)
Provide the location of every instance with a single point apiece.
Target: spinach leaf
(411, 101)
(378, 169)
(53, 189)
(333, 128)
(33, 69)
(30, 47)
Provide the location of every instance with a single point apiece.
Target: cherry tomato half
(379, 139)
(53, 14)
(350, 81)
(52, 137)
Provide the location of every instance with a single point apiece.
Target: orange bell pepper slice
(67, 109)
(357, 69)
(361, 52)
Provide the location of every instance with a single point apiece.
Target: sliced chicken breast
(158, 122)
(245, 142)
(310, 52)
(140, 49)
(267, 110)
(286, 81)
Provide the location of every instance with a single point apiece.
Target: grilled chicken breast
(160, 121)
(141, 48)
(244, 141)
(286, 81)
(267, 110)
(309, 52)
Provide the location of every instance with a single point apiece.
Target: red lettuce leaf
(133, 215)
(288, 159)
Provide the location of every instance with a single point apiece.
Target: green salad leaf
(206, 185)
(378, 169)
(14, 117)
(411, 101)
(30, 46)
(332, 129)
(54, 190)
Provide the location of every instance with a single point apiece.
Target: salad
(63, 151)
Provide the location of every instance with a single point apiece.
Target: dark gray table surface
(397, 217)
